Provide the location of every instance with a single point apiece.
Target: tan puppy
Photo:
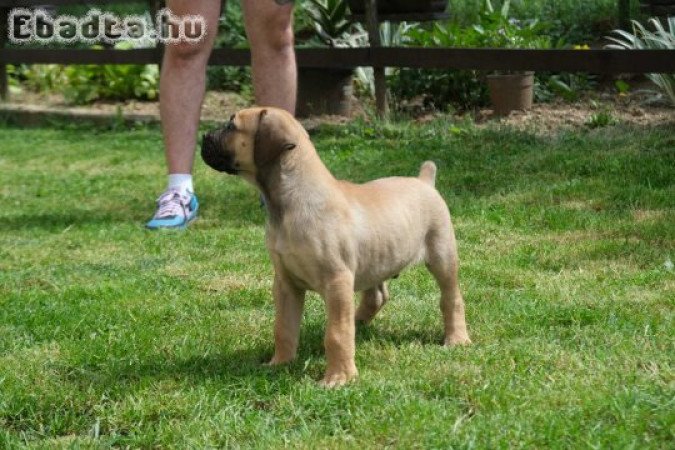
(335, 237)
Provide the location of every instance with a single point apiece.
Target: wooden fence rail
(594, 61)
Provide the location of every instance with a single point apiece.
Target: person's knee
(272, 33)
(187, 53)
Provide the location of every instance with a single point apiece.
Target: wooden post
(373, 26)
(4, 82)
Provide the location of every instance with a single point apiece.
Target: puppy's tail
(428, 172)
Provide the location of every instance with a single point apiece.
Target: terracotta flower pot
(324, 91)
(511, 92)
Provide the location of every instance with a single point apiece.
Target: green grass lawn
(111, 335)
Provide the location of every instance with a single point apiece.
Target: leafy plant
(643, 38)
(81, 84)
(569, 86)
(40, 77)
(391, 35)
(601, 119)
(330, 20)
(90, 82)
(622, 87)
(464, 88)
(566, 85)
(497, 29)
(437, 88)
(568, 20)
(14, 86)
(231, 35)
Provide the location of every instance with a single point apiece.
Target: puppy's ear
(272, 138)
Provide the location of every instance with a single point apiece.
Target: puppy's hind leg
(372, 300)
(442, 262)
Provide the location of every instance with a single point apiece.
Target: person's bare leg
(182, 85)
(269, 27)
(181, 92)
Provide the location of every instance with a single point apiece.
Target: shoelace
(172, 203)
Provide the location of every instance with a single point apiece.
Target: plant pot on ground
(326, 90)
(511, 92)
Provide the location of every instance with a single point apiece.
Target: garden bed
(545, 117)
(216, 105)
(558, 115)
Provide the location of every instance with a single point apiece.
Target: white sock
(180, 181)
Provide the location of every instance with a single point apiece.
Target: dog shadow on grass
(242, 366)
(226, 367)
(377, 333)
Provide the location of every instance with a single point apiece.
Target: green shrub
(497, 29)
(465, 89)
(601, 119)
(330, 20)
(662, 38)
(12, 79)
(569, 20)
(90, 82)
(566, 85)
(86, 83)
(231, 34)
(39, 77)
(438, 88)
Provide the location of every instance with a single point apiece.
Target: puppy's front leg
(289, 302)
(340, 331)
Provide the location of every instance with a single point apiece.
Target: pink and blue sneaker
(175, 209)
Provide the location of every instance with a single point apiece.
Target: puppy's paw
(278, 360)
(337, 379)
(363, 318)
(458, 339)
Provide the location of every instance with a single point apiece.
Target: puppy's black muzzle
(214, 155)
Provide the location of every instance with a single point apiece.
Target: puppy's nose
(209, 148)
(214, 156)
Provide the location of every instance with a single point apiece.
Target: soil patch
(543, 117)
